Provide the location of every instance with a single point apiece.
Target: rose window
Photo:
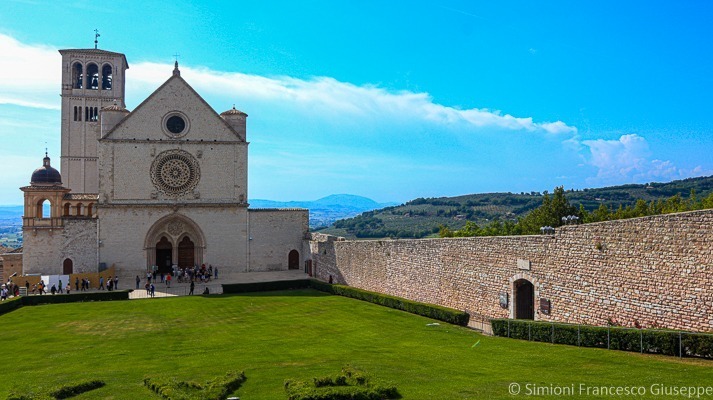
(175, 172)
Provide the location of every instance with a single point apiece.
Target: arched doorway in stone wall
(67, 267)
(164, 252)
(186, 253)
(174, 239)
(524, 299)
(293, 260)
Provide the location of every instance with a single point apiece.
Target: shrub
(614, 338)
(68, 391)
(63, 392)
(215, 389)
(10, 305)
(350, 384)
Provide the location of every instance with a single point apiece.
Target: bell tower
(91, 79)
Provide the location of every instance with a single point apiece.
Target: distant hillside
(324, 211)
(422, 217)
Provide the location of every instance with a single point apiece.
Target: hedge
(64, 392)
(427, 310)
(350, 384)
(218, 388)
(10, 305)
(17, 302)
(672, 343)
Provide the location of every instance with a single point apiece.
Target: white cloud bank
(29, 77)
(628, 159)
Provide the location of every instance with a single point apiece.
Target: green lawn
(300, 334)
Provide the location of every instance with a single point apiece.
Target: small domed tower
(237, 120)
(45, 186)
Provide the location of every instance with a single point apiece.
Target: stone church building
(165, 184)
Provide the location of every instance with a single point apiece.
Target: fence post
(608, 336)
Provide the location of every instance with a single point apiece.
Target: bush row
(64, 392)
(216, 389)
(350, 384)
(17, 302)
(10, 305)
(427, 310)
(671, 343)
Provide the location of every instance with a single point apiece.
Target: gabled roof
(149, 99)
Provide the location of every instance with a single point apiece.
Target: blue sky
(394, 100)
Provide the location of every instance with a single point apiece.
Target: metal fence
(655, 341)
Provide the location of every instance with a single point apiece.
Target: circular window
(175, 124)
(175, 172)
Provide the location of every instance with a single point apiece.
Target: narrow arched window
(79, 210)
(75, 113)
(90, 209)
(86, 113)
(106, 77)
(77, 76)
(66, 209)
(92, 76)
(43, 209)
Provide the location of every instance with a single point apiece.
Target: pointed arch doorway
(186, 253)
(164, 254)
(174, 239)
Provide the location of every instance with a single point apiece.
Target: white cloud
(29, 76)
(627, 159)
(331, 97)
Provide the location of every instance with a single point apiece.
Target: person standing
(116, 282)
(3, 293)
(27, 285)
(168, 280)
(215, 271)
(138, 280)
(60, 286)
(153, 290)
(76, 284)
(101, 283)
(193, 286)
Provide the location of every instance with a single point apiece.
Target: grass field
(300, 334)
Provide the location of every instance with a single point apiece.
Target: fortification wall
(652, 272)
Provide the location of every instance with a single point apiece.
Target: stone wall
(274, 233)
(45, 249)
(651, 272)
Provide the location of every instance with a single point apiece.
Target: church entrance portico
(164, 255)
(174, 240)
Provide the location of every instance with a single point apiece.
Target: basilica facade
(165, 184)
